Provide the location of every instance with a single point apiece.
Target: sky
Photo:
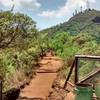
(48, 13)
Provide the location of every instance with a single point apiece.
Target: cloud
(19, 4)
(69, 6)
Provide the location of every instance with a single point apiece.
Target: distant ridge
(87, 21)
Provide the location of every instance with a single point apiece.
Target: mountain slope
(87, 21)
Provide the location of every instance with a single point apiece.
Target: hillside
(87, 21)
(80, 35)
(22, 47)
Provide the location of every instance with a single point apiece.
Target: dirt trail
(41, 85)
(70, 96)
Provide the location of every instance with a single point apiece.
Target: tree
(15, 27)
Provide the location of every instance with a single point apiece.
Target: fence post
(71, 69)
(76, 69)
(0, 90)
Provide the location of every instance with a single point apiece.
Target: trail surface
(41, 85)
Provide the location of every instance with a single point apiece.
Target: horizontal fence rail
(87, 57)
(75, 66)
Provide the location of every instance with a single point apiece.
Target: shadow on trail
(25, 98)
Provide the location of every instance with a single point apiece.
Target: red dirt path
(41, 85)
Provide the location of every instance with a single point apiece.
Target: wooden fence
(75, 66)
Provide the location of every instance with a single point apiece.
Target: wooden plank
(46, 71)
(70, 86)
(91, 75)
(71, 69)
(76, 70)
(88, 57)
(0, 90)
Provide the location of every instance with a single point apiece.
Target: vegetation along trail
(42, 84)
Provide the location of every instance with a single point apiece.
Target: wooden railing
(75, 66)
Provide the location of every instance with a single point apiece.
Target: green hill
(80, 35)
(87, 21)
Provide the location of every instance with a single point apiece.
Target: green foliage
(19, 47)
(6, 64)
(80, 23)
(62, 44)
(21, 44)
(15, 29)
(80, 35)
(66, 46)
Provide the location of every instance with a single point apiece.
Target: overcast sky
(48, 12)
